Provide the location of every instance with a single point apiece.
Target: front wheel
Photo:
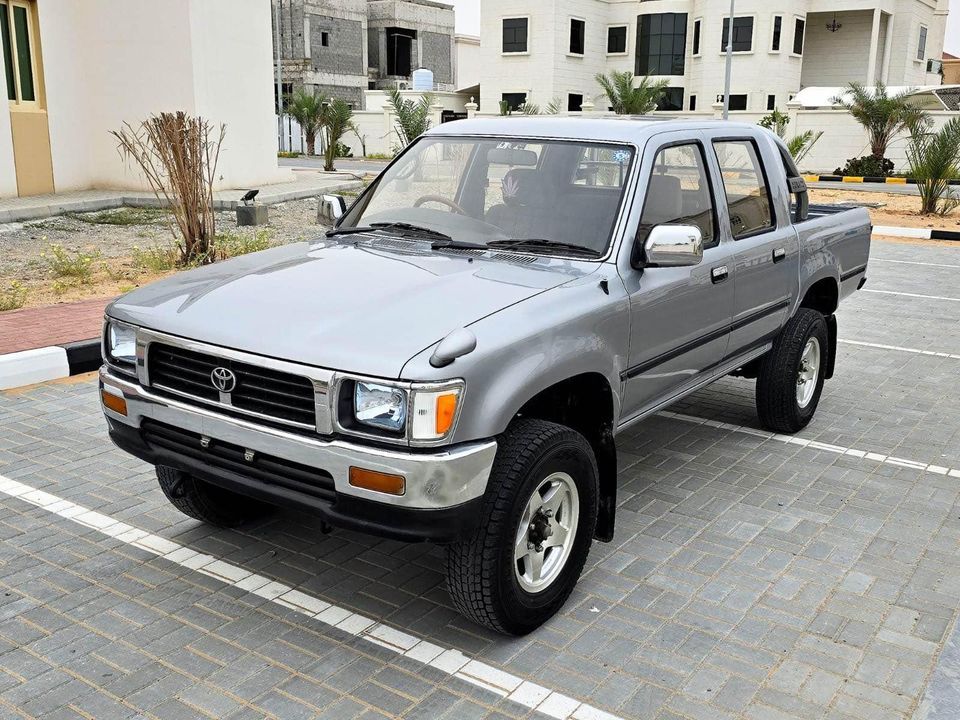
(206, 502)
(792, 373)
(539, 514)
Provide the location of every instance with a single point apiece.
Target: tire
(208, 503)
(483, 573)
(782, 380)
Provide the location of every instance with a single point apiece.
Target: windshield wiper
(543, 244)
(404, 228)
(457, 245)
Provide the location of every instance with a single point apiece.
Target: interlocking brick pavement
(749, 577)
(51, 325)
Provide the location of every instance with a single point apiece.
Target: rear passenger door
(755, 215)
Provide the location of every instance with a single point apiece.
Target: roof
(609, 128)
(948, 56)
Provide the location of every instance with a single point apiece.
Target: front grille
(224, 456)
(273, 394)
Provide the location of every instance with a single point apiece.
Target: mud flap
(832, 349)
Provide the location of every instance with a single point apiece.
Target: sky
(468, 21)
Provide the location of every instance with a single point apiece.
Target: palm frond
(625, 99)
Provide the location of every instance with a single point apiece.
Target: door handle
(779, 254)
(718, 274)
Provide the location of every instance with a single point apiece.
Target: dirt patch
(73, 257)
(899, 209)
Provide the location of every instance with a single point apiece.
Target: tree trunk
(311, 143)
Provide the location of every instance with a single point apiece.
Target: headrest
(664, 200)
(522, 186)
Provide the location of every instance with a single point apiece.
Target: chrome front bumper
(435, 479)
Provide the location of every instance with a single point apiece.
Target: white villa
(552, 49)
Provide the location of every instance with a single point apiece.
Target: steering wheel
(440, 199)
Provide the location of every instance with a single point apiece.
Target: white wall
(107, 62)
(468, 61)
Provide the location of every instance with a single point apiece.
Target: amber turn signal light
(114, 402)
(446, 410)
(377, 481)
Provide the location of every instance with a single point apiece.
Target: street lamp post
(726, 79)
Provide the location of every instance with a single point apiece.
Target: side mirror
(673, 246)
(331, 209)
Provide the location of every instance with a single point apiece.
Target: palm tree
(627, 99)
(307, 109)
(933, 159)
(336, 120)
(413, 118)
(883, 116)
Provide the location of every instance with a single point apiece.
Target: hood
(360, 306)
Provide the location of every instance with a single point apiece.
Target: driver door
(679, 316)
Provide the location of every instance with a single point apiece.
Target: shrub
(232, 244)
(866, 166)
(157, 258)
(933, 159)
(625, 99)
(123, 216)
(336, 120)
(412, 118)
(13, 297)
(65, 264)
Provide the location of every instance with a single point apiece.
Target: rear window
(748, 197)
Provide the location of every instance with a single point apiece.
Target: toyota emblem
(223, 379)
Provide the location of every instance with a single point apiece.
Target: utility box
(252, 215)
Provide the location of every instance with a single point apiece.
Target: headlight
(380, 406)
(121, 344)
(418, 412)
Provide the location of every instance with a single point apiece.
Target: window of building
(679, 193)
(737, 102)
(661, 44)
(777, 29)
(515, 100)
(771, 102)
(922, 43)
(672, 99)
(325, 38)
(748, 198)
(617, 40)
(401, 47)
(693, 102)
(742, 34)
(696, 37)
(798, 29)
(515, 35)
(574, 102)
(578, 29)
(18, 52)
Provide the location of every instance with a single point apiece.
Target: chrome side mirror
(331, 209)
(673, 246)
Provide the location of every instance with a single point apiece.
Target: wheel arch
(824, 297)
(586, 403)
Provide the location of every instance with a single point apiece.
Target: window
(742, 34)
(748, 199)
(696, 37)
(577, 32)
(515, 35)
(18, 54)
(693, 102)
(679, 193)
(325, 38)
(401, 51)
(574, 102)
(777, 27)
(771, 102)
(661, 44)
(602, 166)
(672, 99)
(798, 36)
(617, 40)
(922, 44)
(738, 102)
(515, 100)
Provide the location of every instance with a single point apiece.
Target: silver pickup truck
(453, 361)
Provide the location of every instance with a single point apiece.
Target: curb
(918, 233)
(867, 179)
(54, 362)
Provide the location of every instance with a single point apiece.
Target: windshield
(529, 195)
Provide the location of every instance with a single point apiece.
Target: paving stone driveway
(750, 577)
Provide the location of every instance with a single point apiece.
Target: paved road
(349, 164)
(752, 576)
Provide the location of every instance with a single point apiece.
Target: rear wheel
(206, 502)
(538, 519)
(791, 374)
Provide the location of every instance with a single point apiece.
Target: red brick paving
(51, 325)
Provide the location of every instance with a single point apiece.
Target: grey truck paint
(651, 334)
